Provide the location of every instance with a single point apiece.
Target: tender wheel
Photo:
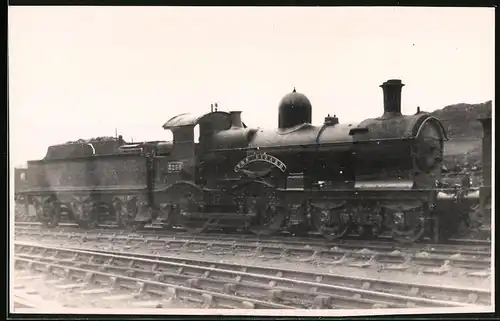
(408, 226)
(49, 214)
(67, 213)
(331, 223)
(86, 213)
(125, 212)
(89, 220)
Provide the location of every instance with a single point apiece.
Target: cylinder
(392, 97)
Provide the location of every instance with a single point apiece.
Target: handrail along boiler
(368, 178)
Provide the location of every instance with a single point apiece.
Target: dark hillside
(460, 120)
(463, 150)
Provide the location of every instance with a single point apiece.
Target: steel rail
(312, 238)
(444, 249)
(303, 289)
(205, 298)
(24, 300)
(476, 261)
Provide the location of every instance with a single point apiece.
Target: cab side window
(23, 176)
(196, 132)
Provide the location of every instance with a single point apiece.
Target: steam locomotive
(381, 175)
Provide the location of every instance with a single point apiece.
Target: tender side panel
(92, 172)
(58, 174)
(121, 171)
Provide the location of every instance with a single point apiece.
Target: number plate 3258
(174, 167)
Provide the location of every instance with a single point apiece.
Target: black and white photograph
(258, 161)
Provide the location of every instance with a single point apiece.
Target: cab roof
(223, 119)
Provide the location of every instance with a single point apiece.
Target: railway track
(25, 300)
(434, 259)
(23, 297)
(93, 279)
(224, 285)
(312, 240)
(314, 237)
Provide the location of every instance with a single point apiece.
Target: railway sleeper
(228, 276)
(248, 289)
(206, 299)
(279, 292)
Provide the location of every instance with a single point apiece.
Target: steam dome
(294, 109)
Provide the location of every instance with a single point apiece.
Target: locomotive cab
(184, 163)
(195, 175)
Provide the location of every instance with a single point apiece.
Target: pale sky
(80, 72)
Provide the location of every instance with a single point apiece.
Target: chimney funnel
(236, 119)
(392, 97)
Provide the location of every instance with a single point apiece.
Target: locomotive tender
(379, 175)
